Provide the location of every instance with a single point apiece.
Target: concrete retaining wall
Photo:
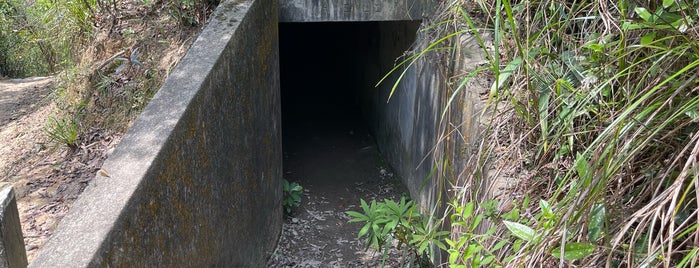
(197, 180)
(405, 126)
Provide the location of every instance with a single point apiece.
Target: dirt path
(47, 176)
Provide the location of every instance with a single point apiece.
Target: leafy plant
(128, 62)
(389, 221)
(291, 195)
(63, 130)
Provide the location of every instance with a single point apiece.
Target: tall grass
(596, 103)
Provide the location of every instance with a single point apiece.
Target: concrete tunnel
(328, 73)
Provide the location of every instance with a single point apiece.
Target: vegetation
(595, 103)
(109, 55)
(291, 195)
(42, 38)
(388, 221)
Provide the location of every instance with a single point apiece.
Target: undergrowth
(601, 100)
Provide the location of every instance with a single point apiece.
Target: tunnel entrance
(327, 73)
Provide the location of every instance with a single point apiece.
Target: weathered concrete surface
(196, 182)
(425, 149)
(354, 10)
(12, 253)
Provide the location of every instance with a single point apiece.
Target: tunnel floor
(337, 164)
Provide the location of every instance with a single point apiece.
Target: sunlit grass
(601, 100)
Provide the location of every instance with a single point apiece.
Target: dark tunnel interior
(328, 71)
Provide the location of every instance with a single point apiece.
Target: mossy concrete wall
(354, 10)
(196, 182)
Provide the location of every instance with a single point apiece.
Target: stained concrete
(197, 180)
(354, 10)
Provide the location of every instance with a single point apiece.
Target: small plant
(63, 130)
(388, 220)
(292, 195)
(128, 62)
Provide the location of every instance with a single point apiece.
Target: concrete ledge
(12, 253)
(197, 180)
(354, 10)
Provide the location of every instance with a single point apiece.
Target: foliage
(387, 221)
(132, 60)
(291, 195)
(42, 37)
(191, 12)
(595, 104)
(601, 99)
(63, 130)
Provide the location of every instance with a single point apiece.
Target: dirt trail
(47, 176)
(19, 97)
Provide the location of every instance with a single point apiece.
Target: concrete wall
(407, 123)
(425, 149)
(197, 180)
(354, 10)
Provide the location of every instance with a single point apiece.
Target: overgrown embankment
(594, 110)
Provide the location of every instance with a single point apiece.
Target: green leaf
(597, 220)
(504, 74)
(499, 245)
(545, 208)
(689, 258)
(476, 222)
(644, 14)
(521, 231)
(357, 216)
(648, 39)
(668, 3)
(693, 114)
(574, 251)
(364, 230)
(582, 167)
(468, 210)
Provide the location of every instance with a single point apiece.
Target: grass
(597, 102)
